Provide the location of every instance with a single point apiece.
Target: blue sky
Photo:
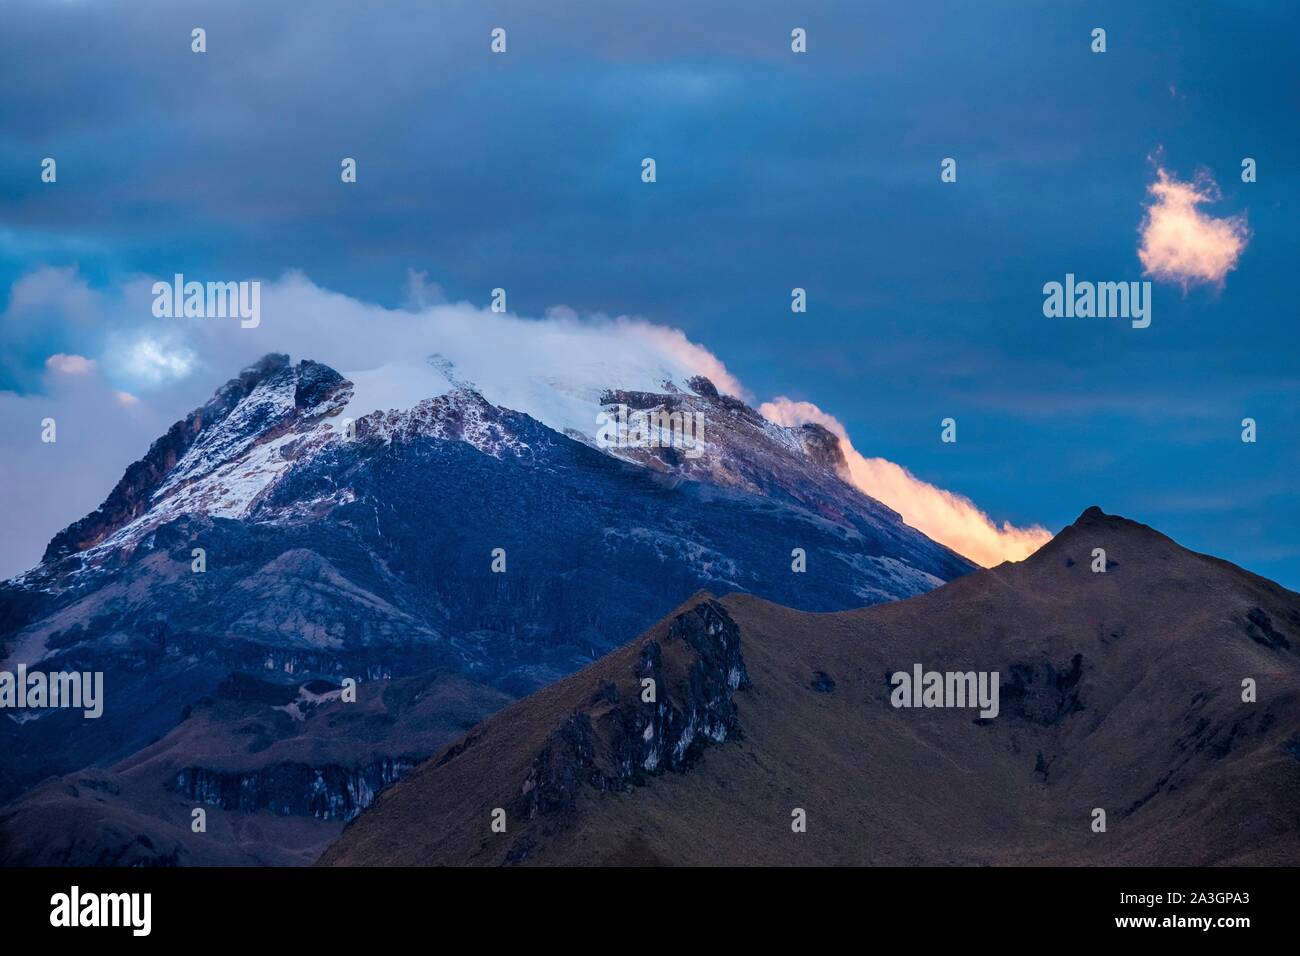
(775, 170)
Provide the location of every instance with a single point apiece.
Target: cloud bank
(1182, 244)
(948, 518)
(132, 374)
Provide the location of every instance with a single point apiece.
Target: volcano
(295, 534)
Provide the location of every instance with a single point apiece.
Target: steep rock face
(823, 446)
(329, 792)
(655, 709)
(617, 742)
(700, 707)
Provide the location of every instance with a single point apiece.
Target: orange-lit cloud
(1182, 244)
(69, 364)
(946, 517)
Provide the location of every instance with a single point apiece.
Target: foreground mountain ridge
(1121, 691)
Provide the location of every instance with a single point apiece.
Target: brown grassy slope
(1149, 725)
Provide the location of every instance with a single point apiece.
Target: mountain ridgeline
(1149, 715)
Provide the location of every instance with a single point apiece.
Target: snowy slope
(567, 403)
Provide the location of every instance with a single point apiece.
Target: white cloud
(554, 368)
(420, 292)
(152, 362)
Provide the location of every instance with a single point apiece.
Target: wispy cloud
(155, 361)
(1182, 244)
(945, 516)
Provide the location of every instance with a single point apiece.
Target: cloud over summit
(554, 367)
(945, 516)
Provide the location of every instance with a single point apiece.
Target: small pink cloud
(1182, 244)
(126, 399)
(69, 364)
(944, 516)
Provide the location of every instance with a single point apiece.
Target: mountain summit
(218, 458)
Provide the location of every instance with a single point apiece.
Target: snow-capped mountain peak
(227, 458)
